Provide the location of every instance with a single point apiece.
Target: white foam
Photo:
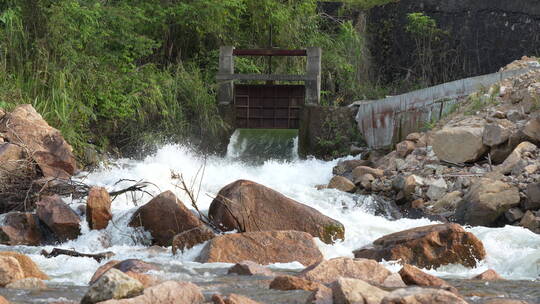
(512, 251)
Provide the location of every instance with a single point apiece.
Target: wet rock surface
(247, 206)
(427, 247)
(263, 247)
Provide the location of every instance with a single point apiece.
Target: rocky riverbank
(479, 166)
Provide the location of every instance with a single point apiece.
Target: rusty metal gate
(268, 106)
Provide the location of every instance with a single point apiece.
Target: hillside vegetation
(119, 73)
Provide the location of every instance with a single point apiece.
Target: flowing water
(512, 251)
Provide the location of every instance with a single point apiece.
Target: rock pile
(479, 166)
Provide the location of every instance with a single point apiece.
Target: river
(512, 251)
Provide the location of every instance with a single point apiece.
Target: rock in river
(264, 247)
(427, 247)
(164, 217)
(246, 206)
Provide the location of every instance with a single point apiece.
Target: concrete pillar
(313, 72)
(226, 67)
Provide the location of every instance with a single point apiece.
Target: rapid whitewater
(512, 251)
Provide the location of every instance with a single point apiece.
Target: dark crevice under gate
(268, 106)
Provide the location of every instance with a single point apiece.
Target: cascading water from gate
(258, 145)
(512, 251)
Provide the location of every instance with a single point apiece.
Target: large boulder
(486, 201)
(10, 270)
(26, 128)
(347, 291)
(113, 284)
(134, 268)
(98, 208)
(497, 132)
(427, 247)
(461, 144)
(264, 247)
(414, 276)
(59, 218)
(515, 157)
(169, 292)
(418, 295)
(189, 238)
(3, 300)
(28, 266)
(21, 229)
(328, 271)
(164, 217)
(246, 206)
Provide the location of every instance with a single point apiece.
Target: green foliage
(119, 73)
(423, 29)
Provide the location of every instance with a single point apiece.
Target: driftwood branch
(58, 251)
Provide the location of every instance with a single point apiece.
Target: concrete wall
(385, 122)
(483, 36)
(327, 132)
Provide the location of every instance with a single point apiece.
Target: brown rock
(427, 247)
(345, 166)
(486, 201)
(347, 291)
(250, 268)
(532, 129)
(459, 144)
(3, 300)
(132, 267)
(533, 197)
(98, 208)
(146, 280)
(359, 171)
(263, 247)
(59, 217)
(448, 202)
(25, 127)
(190, 238)
(488, 275)
(169, 292)
(232, 299)
(414, 137)
(246, 206)
(322, 295)
(113, 284)
(341, 183)
(164, 217)
(10, 270)
(497, 133)
(21, 229)
(28, 283)
(101, 270)
(417, 295)
(328, 271)
(11, 157)
(366, 180)
(530, 221)
(405, 148)
(287, 282)
(515, 157)
(414, 276)
(29, 268)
